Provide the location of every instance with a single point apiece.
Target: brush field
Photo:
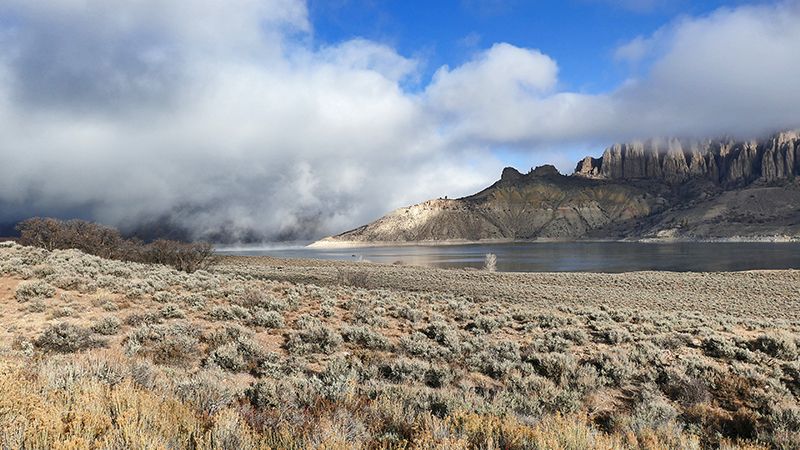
(296, 354)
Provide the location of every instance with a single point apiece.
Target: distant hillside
(658, 189)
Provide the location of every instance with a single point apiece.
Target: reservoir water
(563, 256)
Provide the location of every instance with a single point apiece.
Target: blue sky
(581, 35)
(303, 118)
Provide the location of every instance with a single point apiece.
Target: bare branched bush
(356, 278)
(106, 242)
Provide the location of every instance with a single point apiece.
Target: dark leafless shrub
(67, 338)
(356, 278)
(687, 391)
(106, 242)
(52, 234)
(185, 257)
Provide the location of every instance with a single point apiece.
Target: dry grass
(266, 353)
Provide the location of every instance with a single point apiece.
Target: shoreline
(654, 240)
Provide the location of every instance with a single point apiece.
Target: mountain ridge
(659, 189)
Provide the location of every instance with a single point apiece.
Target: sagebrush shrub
(64, 311)
(163, 296)
(267, 319)
(366, 337)
(65, 337)
(108, 325)
(404, 370)
(28, 290)
(314, 340)
(778, 345)
(205, 391)
(172, 311)
(229, 313)
(242, 354)
(173, 345)
(37, 305)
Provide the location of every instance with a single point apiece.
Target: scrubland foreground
(283, 354)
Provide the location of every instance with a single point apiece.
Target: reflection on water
(565, 256)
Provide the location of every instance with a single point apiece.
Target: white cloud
(485, 97)
(634, 51)
(733, 71)
(142, 113)
(221, 115)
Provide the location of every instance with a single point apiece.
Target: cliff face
(661, 188)
(726, 163)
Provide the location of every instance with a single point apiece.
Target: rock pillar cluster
(729, 163)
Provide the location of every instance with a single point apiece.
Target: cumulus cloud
(493, 96)
(221, 116)
(214, 114)
(730, 72)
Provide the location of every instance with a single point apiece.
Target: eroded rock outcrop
(728, 163)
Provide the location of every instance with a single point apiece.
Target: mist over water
(611, 257)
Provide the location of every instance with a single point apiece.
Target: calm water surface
(563, 256)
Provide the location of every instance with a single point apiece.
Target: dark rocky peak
(513, 177)
(545, 170)
(510, 174)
